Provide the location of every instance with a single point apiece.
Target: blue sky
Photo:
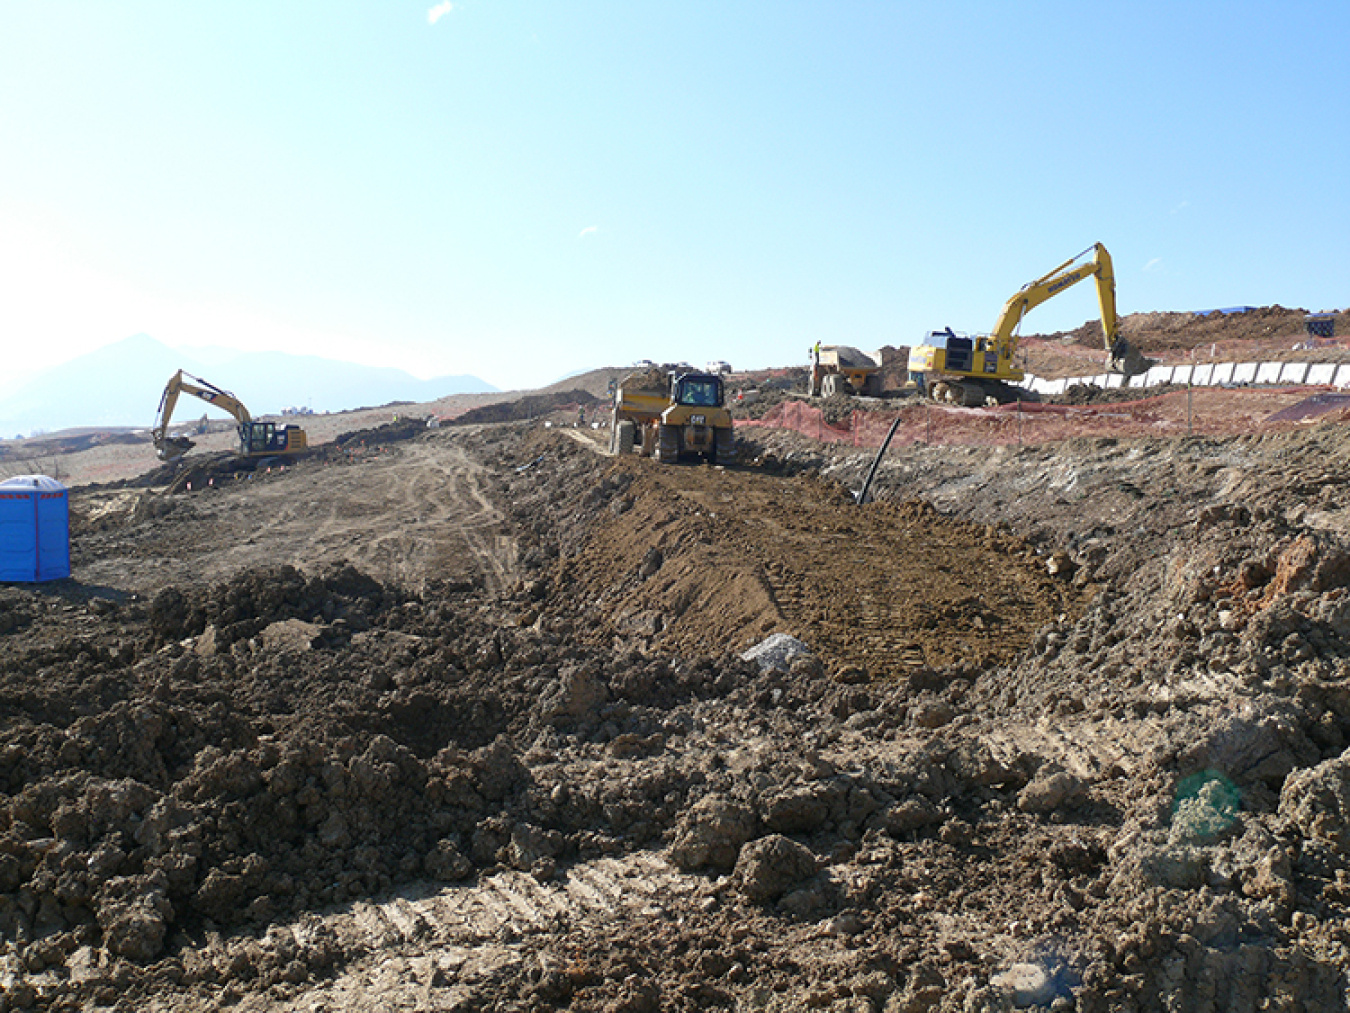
(521, 189)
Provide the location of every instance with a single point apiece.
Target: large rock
(798, 810)
(1052, 791)
(579, 692)
(776, 652)
(1252, 744)
(290, 636)
(134, 913)
(1026, 984)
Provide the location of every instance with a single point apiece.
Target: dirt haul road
(408, 510)
(268, 780)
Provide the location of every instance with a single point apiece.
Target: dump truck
(843, 369)
(668, 413)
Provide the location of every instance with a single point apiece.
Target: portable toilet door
(34, 529)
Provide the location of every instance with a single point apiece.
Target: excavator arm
(1051, 284)
(1121, 357)
(170, 447)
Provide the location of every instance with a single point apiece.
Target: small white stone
(1028, 984)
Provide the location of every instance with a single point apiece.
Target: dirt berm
(460, 722)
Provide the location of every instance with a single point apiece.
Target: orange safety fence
(1201, 411)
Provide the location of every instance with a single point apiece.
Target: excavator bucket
(173, 447)
(1124, 358)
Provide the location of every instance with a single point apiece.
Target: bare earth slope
(458, 722)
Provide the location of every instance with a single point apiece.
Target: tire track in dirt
(1086, 749)
(419, 511)
(429, 946)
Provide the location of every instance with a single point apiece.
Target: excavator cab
(257, 439)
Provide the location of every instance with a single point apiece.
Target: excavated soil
(458, 719)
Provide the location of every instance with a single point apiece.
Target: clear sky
(520, 189)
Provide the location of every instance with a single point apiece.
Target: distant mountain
(120, 385)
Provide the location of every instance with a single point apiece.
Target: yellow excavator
(976, 370)
(256, 439)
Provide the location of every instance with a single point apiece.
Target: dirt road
(401, 512)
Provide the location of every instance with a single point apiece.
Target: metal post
(1188, 408)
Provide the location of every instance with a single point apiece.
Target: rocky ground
(459, 719)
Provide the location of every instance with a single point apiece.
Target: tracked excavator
(978, 370)
(256, 439)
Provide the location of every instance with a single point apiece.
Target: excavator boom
(1051, 284)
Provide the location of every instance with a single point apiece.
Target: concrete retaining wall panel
(1294, 372)
(1321, 373)
(1269, 372)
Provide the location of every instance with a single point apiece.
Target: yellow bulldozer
(668, 413)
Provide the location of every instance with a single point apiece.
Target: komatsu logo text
(1064, 282)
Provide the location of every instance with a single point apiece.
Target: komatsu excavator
(975, 371)
(256, 439)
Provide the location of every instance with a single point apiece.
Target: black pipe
(861, 496)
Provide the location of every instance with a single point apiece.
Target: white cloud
(1153, 264)
(588, 230)
(439, 11)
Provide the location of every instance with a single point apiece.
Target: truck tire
(872, 385)
(835, 383)
(667, 443)
(625, 437)
(724, 446)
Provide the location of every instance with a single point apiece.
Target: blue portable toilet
(34, 529)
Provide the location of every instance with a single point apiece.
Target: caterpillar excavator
(256, 439)
(974, 371)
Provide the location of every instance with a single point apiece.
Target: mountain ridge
(120, 385)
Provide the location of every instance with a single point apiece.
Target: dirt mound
(685, 556)
(1088, 393)
(531, 406)
(1154, 332)
(199, 470)
(1254, 333)
(282, 743)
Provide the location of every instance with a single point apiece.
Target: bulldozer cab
(699, 391)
